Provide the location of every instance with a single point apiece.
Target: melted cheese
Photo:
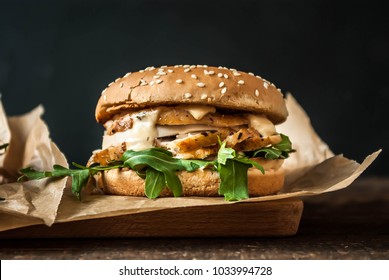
(261, 124)
(142, 134)
(198, 111)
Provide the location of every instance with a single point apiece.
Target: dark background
(332, 55)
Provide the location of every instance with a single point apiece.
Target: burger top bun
(196, 84)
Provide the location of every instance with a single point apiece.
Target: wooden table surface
(349, 224)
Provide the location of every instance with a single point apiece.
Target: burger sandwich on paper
(187, 131)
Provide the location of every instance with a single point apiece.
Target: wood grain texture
(270, 218)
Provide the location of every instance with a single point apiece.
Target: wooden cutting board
(257, 219)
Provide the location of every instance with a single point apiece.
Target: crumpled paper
(29, 145)
(312, 170)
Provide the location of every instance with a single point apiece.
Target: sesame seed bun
(171, 85)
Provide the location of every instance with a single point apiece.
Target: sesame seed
(209, 99)
(241, 82)
(157, 77)
(192, 66)
(221, 84)
(256, 92)
(259, 77)
(205, 65)
(279, 89)
(179, 81)
(251, 73)
(110, 84)
(201, 85)
(266, 85)
(203, 96)
(152, 83)
(233, 70)
(163, 66)
(224, 90)
(143, 82)
(103, 91)
(121, 84)
(176, 66)
(211, 72)
(225, 76)
(220, 67)
(158, 81)
(105, 97)
(141, 71)
(117, 79)
(186, 66)
(128, 74)
(236, 74)
(220, 75)
(160, 72)
(187, 70)
(194, 76)
(206, 72)
(187, 95)
(170, 70)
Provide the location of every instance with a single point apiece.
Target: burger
(190, 130)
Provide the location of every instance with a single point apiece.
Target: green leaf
(284, 145)
(277, 151)
(268, 153)
(233, 180)
(253, 163)
(225, 153)
(159, 161)
(32, 174)
(155, 183)
(79, 180)
(162, 161)
(60, 171)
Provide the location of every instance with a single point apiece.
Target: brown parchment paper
(29, 145)
(312, 170)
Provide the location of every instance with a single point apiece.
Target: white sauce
(261, 124)
(142, 134)
(198, 111)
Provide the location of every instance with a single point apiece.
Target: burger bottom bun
(197, 183)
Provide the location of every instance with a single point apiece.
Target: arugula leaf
(269, 153)
(253, 163)
(162, 161)
(232, 168)
(284, 145)
(79, 176)
(277, 151)
(233, 180)
(32, 174)
(225, 153)
(155, 183)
